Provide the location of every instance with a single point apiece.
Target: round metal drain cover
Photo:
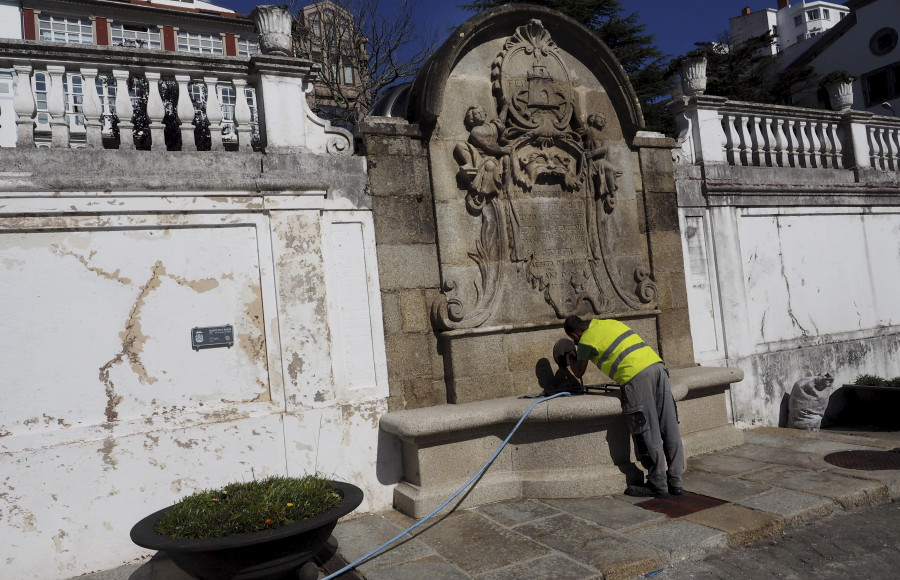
(866, 460)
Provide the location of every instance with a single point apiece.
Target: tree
(636, 51)
(747, 71)
(363, 49)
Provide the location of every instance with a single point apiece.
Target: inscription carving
(541, 177)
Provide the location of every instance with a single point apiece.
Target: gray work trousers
(652, 418)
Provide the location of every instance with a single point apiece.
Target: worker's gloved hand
(571, 358)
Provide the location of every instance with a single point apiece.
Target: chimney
(746, 11)
(784, 4)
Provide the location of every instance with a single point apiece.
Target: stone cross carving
(539, 174)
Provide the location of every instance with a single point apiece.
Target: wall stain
(109, 445)
(133, 341)
(199, 286)
(189, 444)
(319, 397)
(296, 367)
(84, 262)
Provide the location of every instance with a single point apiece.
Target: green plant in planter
(876, 381)
(251, 506)
(837, 76)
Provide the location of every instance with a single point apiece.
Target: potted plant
(839, 86)
(270, 528)
(868, 401)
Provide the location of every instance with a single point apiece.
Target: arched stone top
(430, 85)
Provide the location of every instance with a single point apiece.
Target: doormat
(676, 506)
(866, 460)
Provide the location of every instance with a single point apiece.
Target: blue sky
(677, 24)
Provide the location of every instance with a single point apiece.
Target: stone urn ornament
(273, 24)
(693, 75)
(839, 86)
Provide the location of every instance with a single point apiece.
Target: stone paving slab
(778, 456)
(616, 557)
(608, 512)
(850, 492)
(552, 567)
(884, 440)
(724, 464)
(742, 525)
(476, 544)
(682, 540)
(720, 486)
(514, 512)
(359, 536)
(434, 568)
(794, 507)
(889, 477)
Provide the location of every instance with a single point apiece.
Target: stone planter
(271, 554)
(273, 24)
(693, 76)
(840, 94)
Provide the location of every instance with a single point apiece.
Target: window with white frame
(247, 47)
(41, 88)
(798, 20)
(106, 93)
(813, 14)
(136, 36)
(61, 29)
(348, 74)
(826, 15)
(203, 43)
(227, 98)
(73, 87)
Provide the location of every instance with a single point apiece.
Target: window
(227, 98)
(774, 30)
(883, 41)
(74, 92)
(41, 87)
(135, 36)
(813, 14)
(826, 15)
(203, 43)
(247, 47)
(842, 15)
(106, 92)
(882, 84)
(798, 20)
(59, 29)
(348, 74)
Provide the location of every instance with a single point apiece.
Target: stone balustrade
(101, 97)
(716, 130)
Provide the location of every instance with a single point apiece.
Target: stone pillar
(214, 113)
(56, 106)
(155, 112)
(242, 116)
(853, 125)
(701, 115)
(186, 114)
(91, 107)
(25, 108)
(660, 202)
(124, 111)
(280, 91)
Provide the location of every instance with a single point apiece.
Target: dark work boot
(642, 491)
(675, 490)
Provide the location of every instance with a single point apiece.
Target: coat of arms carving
(540, 176)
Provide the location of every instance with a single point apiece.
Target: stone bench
(574, 446)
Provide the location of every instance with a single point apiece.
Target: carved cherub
(604, 173)
(481, 157)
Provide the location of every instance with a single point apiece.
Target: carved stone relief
(540, 176)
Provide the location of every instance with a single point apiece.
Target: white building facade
(790, 25)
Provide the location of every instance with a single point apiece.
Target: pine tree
(636, 50)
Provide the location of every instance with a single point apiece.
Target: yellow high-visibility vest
(621, 352)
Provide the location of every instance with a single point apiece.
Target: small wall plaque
(210, 336)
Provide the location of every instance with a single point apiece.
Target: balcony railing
(103, 97)
(716, 130)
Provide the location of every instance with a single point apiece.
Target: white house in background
(866, 45)
(791, 25)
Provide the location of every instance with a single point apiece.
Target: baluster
(770, 146)
(242, 116)
(781, 143)
(186, 114)
(756, 136)
(838, 146)
(793, 143)
(746, 146)
(815, 146)
(214, 114)
(155, 112)
(91, 109)
(56, 107)
(824, 144)
(882, 148)
(894, 143)
(25, 108)
(805, 144)
(873, 154)
(124, 111)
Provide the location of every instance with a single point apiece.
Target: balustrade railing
(73, 96)
(716, 130)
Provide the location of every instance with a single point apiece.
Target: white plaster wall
(787, 292)
(10, 19)
(109, 414)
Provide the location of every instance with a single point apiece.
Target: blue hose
(356, 563)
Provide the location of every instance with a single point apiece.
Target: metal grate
(676, 506)
(866, 460)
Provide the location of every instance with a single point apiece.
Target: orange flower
(269, 521)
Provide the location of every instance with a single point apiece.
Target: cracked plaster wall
(785, 291)
(108, 413)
